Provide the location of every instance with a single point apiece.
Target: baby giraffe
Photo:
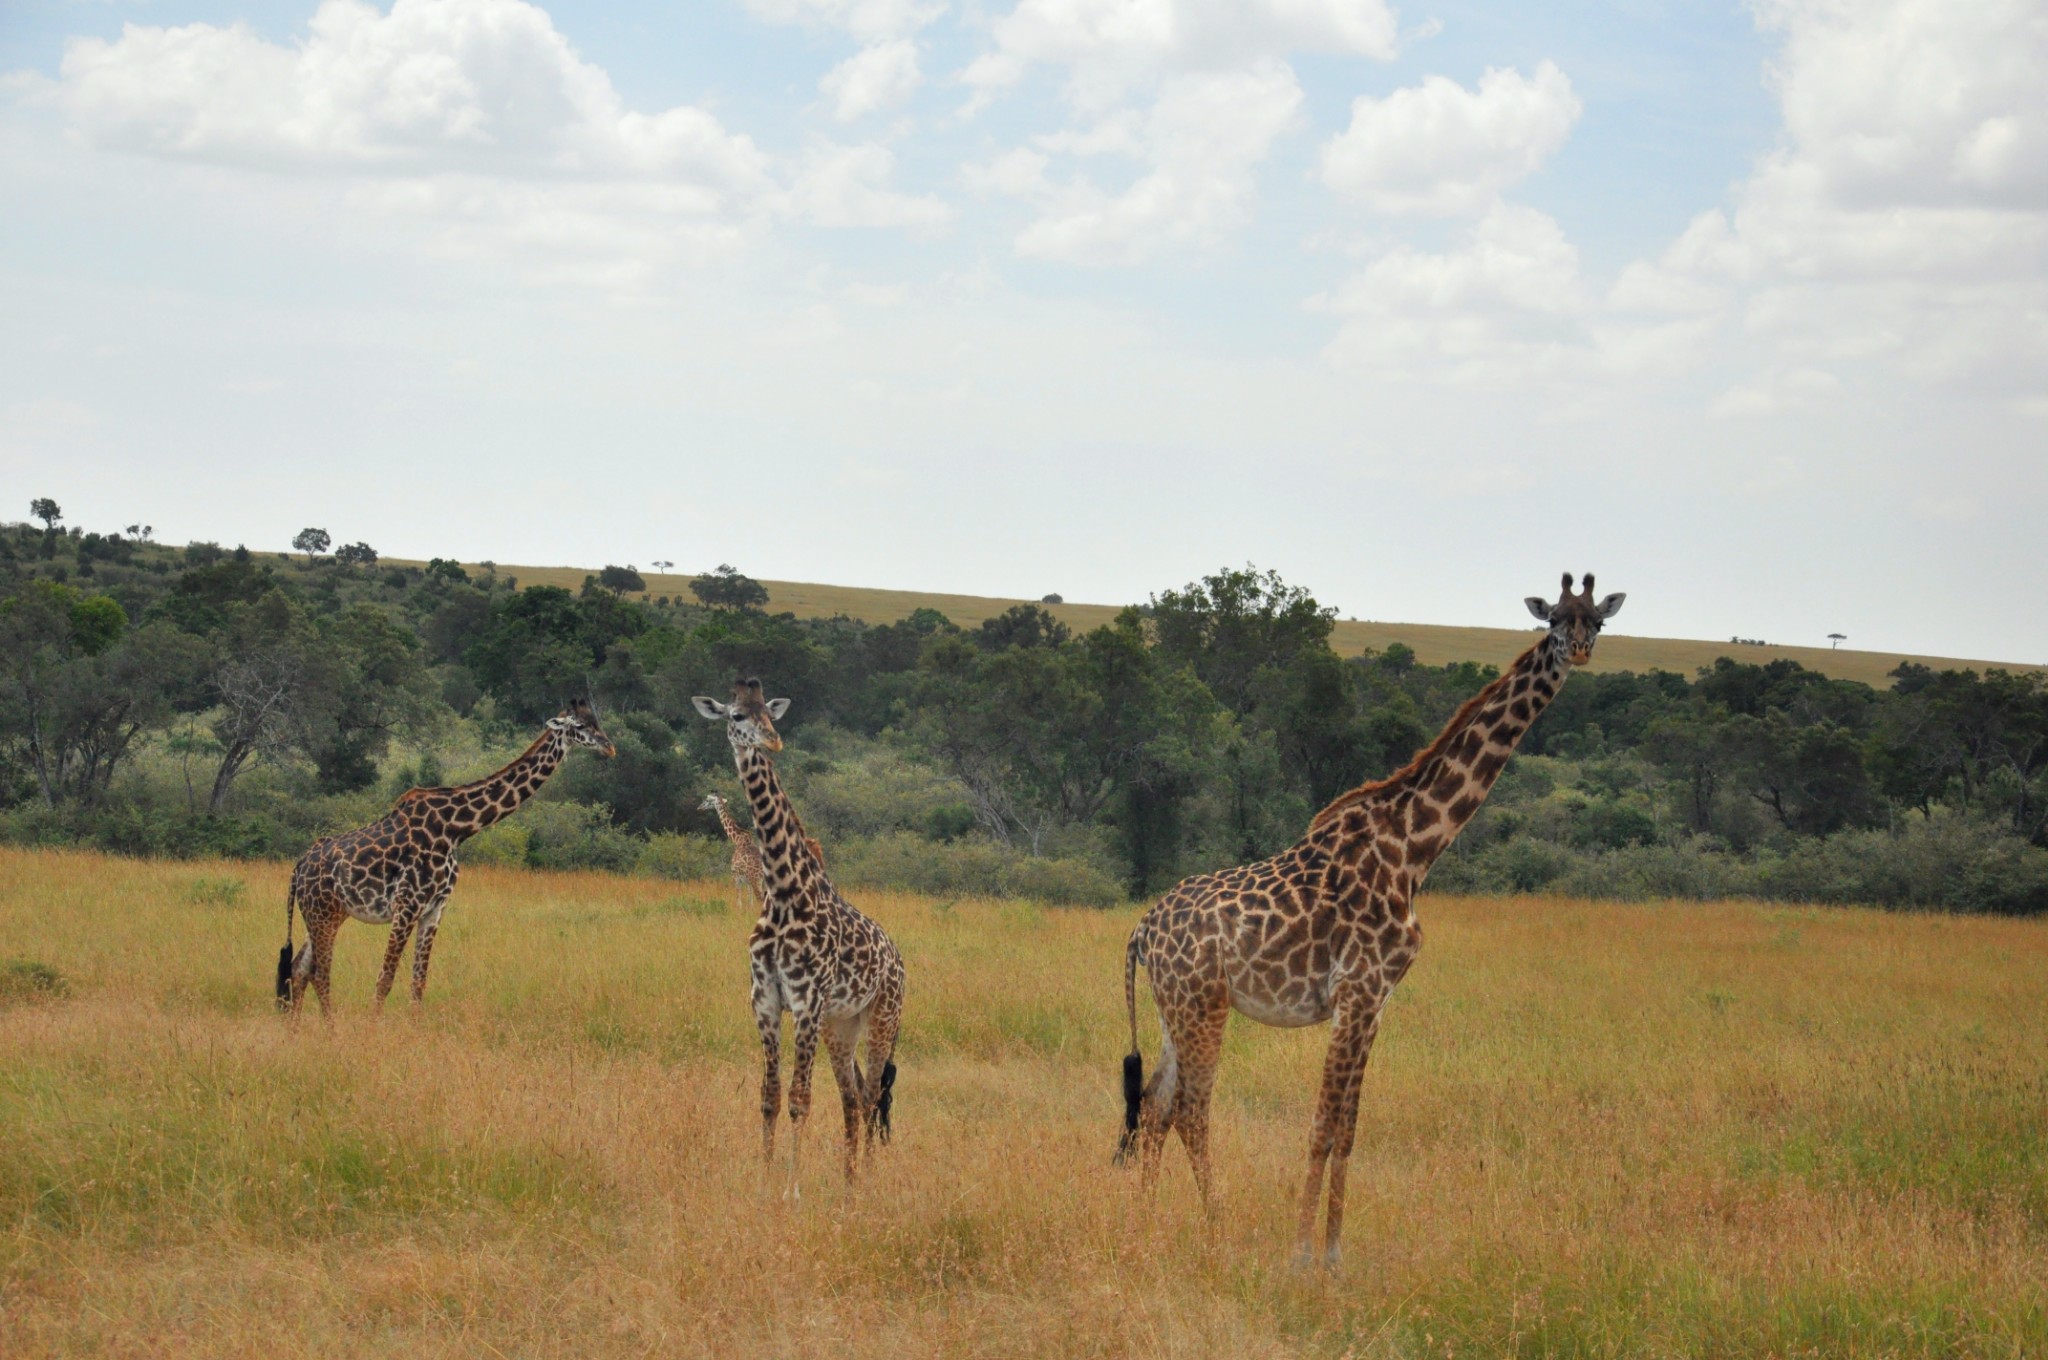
(401, 868)
(811, 953)
(748, 884)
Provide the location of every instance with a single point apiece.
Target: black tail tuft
(888, 1099)
(284, 978)
(1134, 1093)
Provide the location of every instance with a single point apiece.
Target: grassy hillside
(1434, 644)
(1589, 1130)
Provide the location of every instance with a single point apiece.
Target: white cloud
(1917, 101)
(1904, 222)
(1438, 149)
(879, 76)
(1200, 143)
(1109, 46)
(1507, 303)
(466, 85)
(474, 124)
(846, 186)
(869, 20)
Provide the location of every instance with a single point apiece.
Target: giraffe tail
(1134, 1061)
(284, 955)
(887, 1100)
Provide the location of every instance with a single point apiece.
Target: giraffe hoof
(1303, 1259)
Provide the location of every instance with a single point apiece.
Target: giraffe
(1326, 928)
(401, 867)
(811, 953)
(746, 856)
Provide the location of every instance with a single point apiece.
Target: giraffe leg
(878, 1091)
(302, 964)
(1199, 1047)
(1198, 1061)
(841, 1040)
(806, 1024)
(321, 967)
(402, 922)
(1340, 1151)
(423, 953)
(768, 1019)
(1155, 1112)
(1336, 1115)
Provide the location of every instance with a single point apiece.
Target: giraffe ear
(777, 707)
(708, 708)
(1611, 606)
(1540, 608)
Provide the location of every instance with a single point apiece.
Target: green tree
(726, 588)
(312, 542)
(1233, 625)
(77, 688)
(47, 510)
(621, 581)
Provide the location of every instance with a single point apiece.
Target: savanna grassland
(1589, 1129)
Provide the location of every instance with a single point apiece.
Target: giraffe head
(749, 719)
(1575, 621)
(712, 803)
(579, 725)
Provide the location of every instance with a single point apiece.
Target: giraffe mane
(1364, 792)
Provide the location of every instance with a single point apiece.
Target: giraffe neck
(733, 830)
(1435, 794)
(1451, 780)
(505, 791)
(789, 871)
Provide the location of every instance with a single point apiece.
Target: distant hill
(1434, 644)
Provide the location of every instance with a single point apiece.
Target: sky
(1743, 308)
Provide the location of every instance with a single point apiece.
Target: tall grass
(1589, 1130)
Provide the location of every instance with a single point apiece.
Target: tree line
(201, 699)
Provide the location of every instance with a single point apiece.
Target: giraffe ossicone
(1324, 930)
(811, 953)
(400, 869)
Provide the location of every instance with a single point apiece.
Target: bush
(505, 843)
(576, 836)
(27, 980)
(1692, 869)
(1950, 862)
(667, 854)
(968, 868)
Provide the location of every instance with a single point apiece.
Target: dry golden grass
(1434, 644)
(1590, 1129)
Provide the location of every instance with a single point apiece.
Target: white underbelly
(376, 912)
(1312, 1011)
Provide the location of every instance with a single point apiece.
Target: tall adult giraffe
(746, 856)
(812, 954)
(401, 867)
(1326, 928)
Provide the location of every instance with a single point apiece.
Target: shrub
(26, 980)
(968, 868)
(568, 835)
(667, 854)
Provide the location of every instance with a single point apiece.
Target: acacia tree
(726, 588)
(312, 542)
